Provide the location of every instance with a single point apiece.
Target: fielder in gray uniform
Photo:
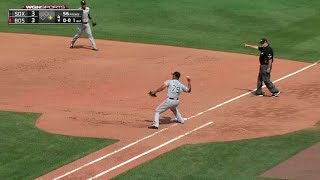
(85, 26)
(175, 88)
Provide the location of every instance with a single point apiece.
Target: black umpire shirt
(266, 53)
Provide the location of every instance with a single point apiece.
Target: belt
(173, 98)
(84, 22)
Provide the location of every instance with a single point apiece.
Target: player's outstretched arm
(161, 88)
(251, 46)
(189, 84)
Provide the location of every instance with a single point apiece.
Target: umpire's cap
(176, 74)
(83, 2)
(263, 40)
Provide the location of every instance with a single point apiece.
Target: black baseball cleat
(258, 94)
(276, 94)
(95, 49)
(71, 45)
(153, 127)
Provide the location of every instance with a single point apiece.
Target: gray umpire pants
(80, 29)
(164, 106)
(264, 76)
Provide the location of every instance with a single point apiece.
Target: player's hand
(188, 78)
(94, 23)
(152, 94)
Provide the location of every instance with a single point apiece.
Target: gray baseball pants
(264, 76)
(80, 29)
(164, 106)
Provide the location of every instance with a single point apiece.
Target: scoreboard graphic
(45, 16)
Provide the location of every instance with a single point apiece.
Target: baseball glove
(94, 23)
(152, 94)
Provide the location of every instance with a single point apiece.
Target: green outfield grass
(27, 152)
(238, 160)
(292, 26)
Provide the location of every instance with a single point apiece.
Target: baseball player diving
(85, 26)
(174, 89)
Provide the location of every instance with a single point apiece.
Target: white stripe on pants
(164, 106)
(80, 29)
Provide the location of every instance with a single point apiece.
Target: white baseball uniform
(85, 26)
(175, 88)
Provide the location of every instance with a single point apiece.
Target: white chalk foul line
(110, 154)
(245, 94)
(149, 151)
(200, 113)
(280, 79)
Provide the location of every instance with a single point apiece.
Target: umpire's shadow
(252, 91)
(163, 120)
(244, 89)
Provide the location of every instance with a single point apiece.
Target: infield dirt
(103, 94)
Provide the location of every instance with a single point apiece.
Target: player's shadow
(163, 120)
(81, 47)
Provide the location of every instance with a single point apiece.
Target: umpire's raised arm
(251, 46)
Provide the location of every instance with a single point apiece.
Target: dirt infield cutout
(305, 165)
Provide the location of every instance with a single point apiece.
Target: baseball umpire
(266, 60)
(85, 26)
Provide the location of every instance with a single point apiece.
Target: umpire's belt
(173, 98)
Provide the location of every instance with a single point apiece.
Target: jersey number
(176, 89)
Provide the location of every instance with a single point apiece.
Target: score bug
(44, 16)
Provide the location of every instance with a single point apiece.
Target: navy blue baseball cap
(83, 2)
(263, 40)
(176, 74)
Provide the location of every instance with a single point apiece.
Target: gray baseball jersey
(85, 14)
(175, 88)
